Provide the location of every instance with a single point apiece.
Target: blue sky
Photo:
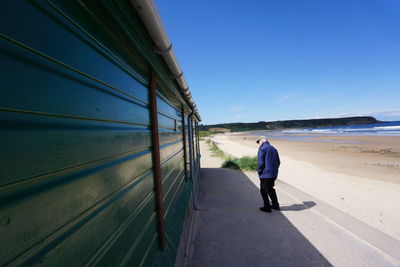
(267, 60)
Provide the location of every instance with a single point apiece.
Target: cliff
(278, 125)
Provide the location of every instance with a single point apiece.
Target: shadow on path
(298, 207)
(231, 231)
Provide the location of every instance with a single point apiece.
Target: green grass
(231, 164)
(203, 134)
(208, 133)
(216, 152)
(243, 163)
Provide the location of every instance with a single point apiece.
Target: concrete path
(229, 230)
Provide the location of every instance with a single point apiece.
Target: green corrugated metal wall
(76, 181)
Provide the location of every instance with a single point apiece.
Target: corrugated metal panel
(172, 160)
(176, 187)
(78, 184)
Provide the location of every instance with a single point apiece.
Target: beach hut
(99, 135)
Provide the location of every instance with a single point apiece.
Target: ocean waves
(385, 128)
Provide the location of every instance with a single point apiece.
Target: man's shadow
(298, 207)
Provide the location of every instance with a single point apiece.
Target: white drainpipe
(152, 21)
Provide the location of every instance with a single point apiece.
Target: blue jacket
(268, 161)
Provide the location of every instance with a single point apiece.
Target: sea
(391, 128)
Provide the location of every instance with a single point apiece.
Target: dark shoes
(264, 209)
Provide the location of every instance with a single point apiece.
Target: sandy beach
(372, 157)
(359, 175)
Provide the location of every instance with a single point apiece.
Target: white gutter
(152, 21)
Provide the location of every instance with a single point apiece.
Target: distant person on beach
(268, 165)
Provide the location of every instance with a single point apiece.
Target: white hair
(261, 139)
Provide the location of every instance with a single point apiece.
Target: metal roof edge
(150, 17)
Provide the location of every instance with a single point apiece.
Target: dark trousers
(267, 190)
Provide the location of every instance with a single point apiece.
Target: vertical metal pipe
(192, 162)
(156, 159)
(198, 145)
(184, 143)
(193, 143)
(190, 139)
(198, 139)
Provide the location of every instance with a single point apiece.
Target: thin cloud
(383, 112)
(285, 97)
(345, 114)
(374, 113)
(236, 108)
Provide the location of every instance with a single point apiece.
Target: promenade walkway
(229, 229)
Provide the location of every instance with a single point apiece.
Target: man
(268, 164)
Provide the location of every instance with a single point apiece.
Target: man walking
(268, 165)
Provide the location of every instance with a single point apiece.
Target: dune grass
(216, 152)
(204, 134)
(243, 163)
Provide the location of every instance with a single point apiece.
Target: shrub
(243, 163)
(248, 163)
(230, 163)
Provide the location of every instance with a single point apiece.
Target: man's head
(261, 140)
